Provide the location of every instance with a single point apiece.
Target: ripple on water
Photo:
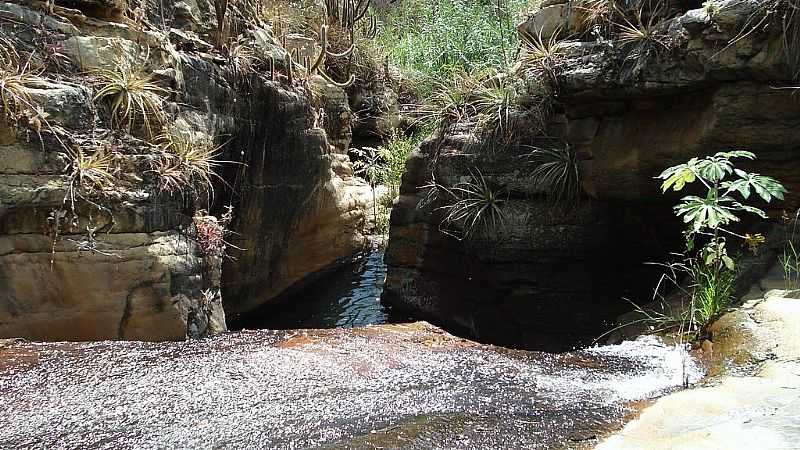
(347, 297)
(391, 386)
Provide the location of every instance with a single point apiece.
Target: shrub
(395, 153)
(711, 269)
(434, 40)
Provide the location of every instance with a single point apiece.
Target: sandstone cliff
(712, 81)
(123, 262)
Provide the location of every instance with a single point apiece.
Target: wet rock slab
(390, 386)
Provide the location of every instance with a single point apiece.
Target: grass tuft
(187, 163)
(557, 173)
(16, 78)
(476, 208)
(541, 57)
(641, 37)
(133, 97)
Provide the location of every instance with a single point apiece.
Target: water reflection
(346, 297)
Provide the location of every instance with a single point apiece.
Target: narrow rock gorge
(555, 277)
(414, 224)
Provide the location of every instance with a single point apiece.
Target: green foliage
(371, 166)
(495, 102)
(719, 207)
(394, 154)
(712, 270)
(557, 173)
(475, 207)
(790, 259)
(713, 289)
(431, 40)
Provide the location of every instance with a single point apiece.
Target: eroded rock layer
(551, 276)
(123, 262)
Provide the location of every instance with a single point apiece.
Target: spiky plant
(89, 171)
(16, 79)
(451, 102)
(495, 102)
(556, 172)
(93, 170)
(595, 16)
(641, 37)
(542, 57)
(476, 208)
(197, 158)
(132, 96)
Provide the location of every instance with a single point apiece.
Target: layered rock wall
(125, 263)
(551, 277)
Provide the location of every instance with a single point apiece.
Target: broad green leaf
(714, 168)
(678, 180)
(751, 209)
(728, 262)
(737, 154)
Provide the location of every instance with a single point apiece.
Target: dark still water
(345, 297)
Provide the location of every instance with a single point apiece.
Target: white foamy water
(377, 386)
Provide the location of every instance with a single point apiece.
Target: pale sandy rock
(733, 411)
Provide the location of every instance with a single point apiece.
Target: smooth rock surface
(397, 386)
(735, 410)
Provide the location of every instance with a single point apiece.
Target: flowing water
(389, 386)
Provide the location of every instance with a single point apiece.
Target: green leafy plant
(790, 258)
(431, 40)
(395, 153)
(371, 166)
(475, 207)
(712, 270)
